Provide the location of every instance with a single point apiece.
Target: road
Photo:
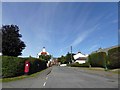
(65, 77)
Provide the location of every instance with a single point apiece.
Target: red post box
(27, 67)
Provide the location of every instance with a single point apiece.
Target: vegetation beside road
(14, 66)
(12, 46)
(66, 59)
(21, 77)
(102, 60)
(108, 60)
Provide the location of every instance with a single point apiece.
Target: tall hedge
(98, 59)
(14, 66)
(37, 65)
(114, 58)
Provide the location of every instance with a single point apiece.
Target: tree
(12, 45)
(68, 58)
(45, 57)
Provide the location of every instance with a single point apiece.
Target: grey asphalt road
(66, 77)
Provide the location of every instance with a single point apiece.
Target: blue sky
(57, 26)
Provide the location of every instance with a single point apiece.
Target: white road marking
(44, 84)
(46, 78)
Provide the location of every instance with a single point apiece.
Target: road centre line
(44, 84)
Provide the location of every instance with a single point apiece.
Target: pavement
(66, 77)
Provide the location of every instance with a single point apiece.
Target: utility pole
(71, 53)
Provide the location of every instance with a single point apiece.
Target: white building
(43, 52)
(0, 54)
(80, 58)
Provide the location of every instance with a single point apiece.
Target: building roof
(105, 49)
(43, 52)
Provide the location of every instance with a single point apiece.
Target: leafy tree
(66, 59)
(12, 45)
(63, 60)
(45, 57)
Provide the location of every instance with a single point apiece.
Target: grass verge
(116, 71)
(20, 77)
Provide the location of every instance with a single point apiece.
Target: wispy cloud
(84, 35)
(115, 21)
(93, 47)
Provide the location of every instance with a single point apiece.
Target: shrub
(14, 66)
(80, 65)
(97, 59)
(114, 58)
(37, 65)
(75, 64)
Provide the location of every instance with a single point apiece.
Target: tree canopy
(45, 57)
(12, 45)
(66, 59)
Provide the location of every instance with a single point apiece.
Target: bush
(14, 66)
(37, 65)
(114, 58)
(75, 65)
(80, 65)
(97, 59)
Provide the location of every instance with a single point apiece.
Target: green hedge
(80, 65)
(114, 58)
(37, 65)
(97, 59)
(100, 59)
(14, 66)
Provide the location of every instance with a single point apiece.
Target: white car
(63, 65)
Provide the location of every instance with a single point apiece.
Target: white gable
(79, 55)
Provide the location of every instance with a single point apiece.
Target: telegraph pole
(71, 53)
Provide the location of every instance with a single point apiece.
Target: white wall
(80, 61)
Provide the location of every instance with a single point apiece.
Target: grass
(116, 71)
(20, 77)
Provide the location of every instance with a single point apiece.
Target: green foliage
(97, 59)
(100, 59)
(11, 42)
(14, 66)
(65, 59)
(45, 57)
(80, 65)
(68, 58)
(114, 58)
(36, 65)
(62, 59)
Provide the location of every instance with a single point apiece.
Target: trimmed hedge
(114, 58)
(14, 66)
(80, 65)
(100, 59)
(37, 65)
(97, 59)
